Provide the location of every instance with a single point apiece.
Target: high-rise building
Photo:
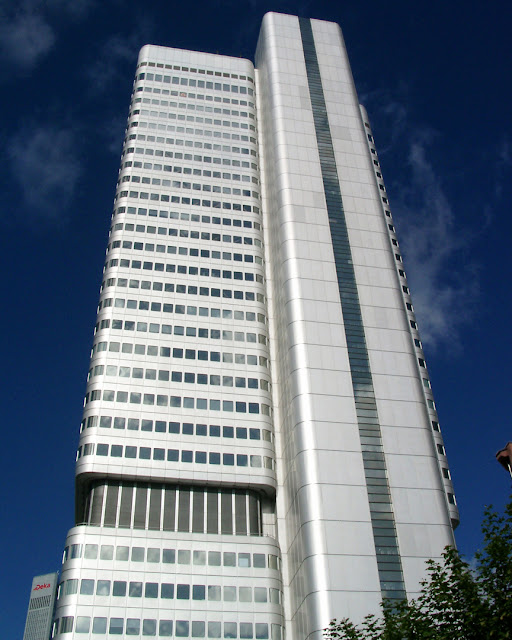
(260, 450)
(40, 607)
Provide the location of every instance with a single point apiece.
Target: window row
(195, 144)
(173, 508)
(173, 455)
(178, 155)
(167, 591)
(227, 294)
(177, 376)
(186, 171)
(191, 82)
(171, 104)
(179, 330)
(196, 186)
(235, 222)
(189, 354)
(192, 96)
(218, 74)
(158, 101)
(215, 204)
(161, 400)
(153, 555)
(164, 628)
(188, 428)
(200, 133)
(165, 103)
(208, 133)
(203, 272)
(149, 247)
(190, 310)
(175, 232)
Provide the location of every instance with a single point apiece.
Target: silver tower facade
(260, 450)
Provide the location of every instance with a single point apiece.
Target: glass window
(99, 625)
(246, 630)
(133, 627)
(103, 588)
(182, 627)
(198, 592)
(151, 590)
(149, 627)
(230, 594)
(183, 556)
(106, 552)
(183, 592)
(71, 587)
(135, 590)
(260, 594)
(91, 551)
(87, 587)
(137, 554)
(275, 596)
(214, 593)
(122, 553)
(167, 591)
(83, 624)
(116, 626)
(165, 628)
(245, 594)
(259, 560)
(244, 559)
(169, 556)
(230, 630)
(119, 588)
(198, 629)
(214, 629)
(66, 624)
(153, 555)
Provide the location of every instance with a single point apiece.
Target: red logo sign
(41, 586)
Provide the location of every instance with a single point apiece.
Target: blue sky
(434, 77)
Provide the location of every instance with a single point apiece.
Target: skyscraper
(260, 450)
(40, 607)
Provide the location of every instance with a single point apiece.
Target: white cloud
(74, 8)
(502, 170)
(112, 54)
(437, 246)
(26, 28)
(46, 168)
(444, 281)
(24, 38)
(112, 129)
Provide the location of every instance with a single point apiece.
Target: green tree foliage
(455, 602)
